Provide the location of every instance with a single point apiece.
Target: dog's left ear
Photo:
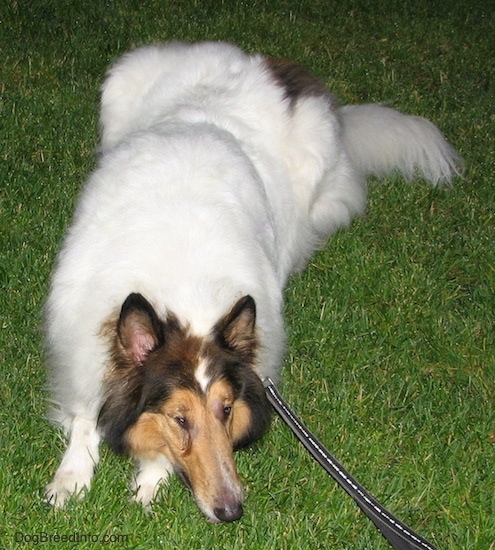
(139, 329)
(237, 330)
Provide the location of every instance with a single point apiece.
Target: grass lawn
(391, 330)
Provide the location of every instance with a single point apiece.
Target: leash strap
(399, 535)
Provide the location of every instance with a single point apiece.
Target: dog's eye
(181, 421)
(221, 409)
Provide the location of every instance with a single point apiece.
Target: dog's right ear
(139, 332)
(139, 329)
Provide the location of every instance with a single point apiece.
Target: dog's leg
(75, 472)
(150, 475)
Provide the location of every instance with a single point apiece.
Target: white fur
(379, 140)
(201, 375)
(80, 459)
(150, 475)
(211, 186)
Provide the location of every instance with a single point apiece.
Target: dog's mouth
(184, 478)
(226, 508)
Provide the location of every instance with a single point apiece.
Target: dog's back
(293, 142)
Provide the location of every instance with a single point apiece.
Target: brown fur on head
(194, 400)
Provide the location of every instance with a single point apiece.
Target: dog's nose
(229, 512)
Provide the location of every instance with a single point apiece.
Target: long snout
(221, 498)
(215, 484)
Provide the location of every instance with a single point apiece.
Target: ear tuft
(139, 329)
(237, 330)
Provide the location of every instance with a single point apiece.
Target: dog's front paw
(149, 478)
(144, 492)
(65, 485)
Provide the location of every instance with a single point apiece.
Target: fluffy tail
(380, 140)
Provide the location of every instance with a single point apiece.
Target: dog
(219, 174)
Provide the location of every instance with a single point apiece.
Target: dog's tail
(380, 140)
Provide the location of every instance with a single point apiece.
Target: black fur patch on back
(297, 81)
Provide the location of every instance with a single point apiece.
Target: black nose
(229, 513)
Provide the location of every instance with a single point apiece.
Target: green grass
(391, 329)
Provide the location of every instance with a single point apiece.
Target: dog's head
(194, 400)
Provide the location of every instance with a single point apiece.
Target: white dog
(220, 173)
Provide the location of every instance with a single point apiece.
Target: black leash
(399, 535)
